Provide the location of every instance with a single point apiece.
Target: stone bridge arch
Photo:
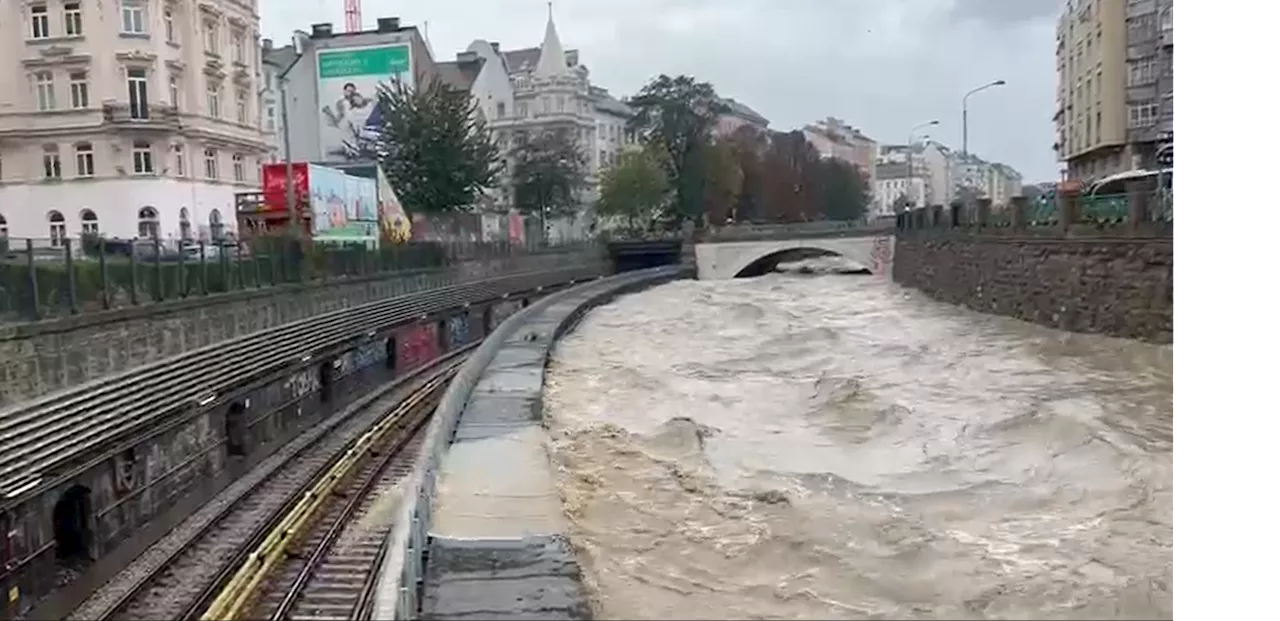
(741, 259)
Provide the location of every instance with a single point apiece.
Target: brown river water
(834, 446)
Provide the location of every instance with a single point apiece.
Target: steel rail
(39, 440)
(237, 595)
(438, 372)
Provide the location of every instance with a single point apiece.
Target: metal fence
(1146, 210)
(44, 278)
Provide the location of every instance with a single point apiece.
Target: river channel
(818, 446)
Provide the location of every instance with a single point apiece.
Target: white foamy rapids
(830, 446)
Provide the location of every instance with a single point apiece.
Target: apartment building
(1115, 85)
(930, 156)
(899, 187)
(736, 115)
(127, 118)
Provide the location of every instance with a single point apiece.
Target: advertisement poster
(274, 189)
(350, 117)
(328, 199)
(395, 224)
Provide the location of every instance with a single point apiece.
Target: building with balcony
(899, 187)
(1115, 85)
(931, 156)
(127, 118)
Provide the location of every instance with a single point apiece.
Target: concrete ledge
(496, 544)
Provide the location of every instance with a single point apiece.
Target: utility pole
(289, 191)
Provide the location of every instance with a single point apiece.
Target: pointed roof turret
(551, 59)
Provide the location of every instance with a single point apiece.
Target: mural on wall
(882, 255)
(351, 117)
(458, 331)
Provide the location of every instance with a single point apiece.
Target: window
(57, 229)
(72, 22)
(211, 100)
(84, 159)
(88, 222)
(39, 22)
(215, 224)
(4, 228)
(45, 99)
(211, 36)
(142, 164)
(175, 91)
(184, 223)
(79, 90)
(148, 223)
(179, 160)
(502, 109)
(237, 47)
(134, 14)
(237, 167)
(271, 118)
(210, 163)
(137, 79)
(1143, 114)
(242, 107)
(170, 33)
(52, 162)
(1142, 71)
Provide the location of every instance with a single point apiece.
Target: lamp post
(964, 113)
(964, 127)
(910, 153)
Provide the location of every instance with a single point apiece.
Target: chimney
(497, 48)
(388, 24)
(268, 45)
(321, 31)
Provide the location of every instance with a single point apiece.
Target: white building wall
(492, 88)
(888, 190)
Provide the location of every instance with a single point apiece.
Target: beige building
(1115, 85)
(127, 118)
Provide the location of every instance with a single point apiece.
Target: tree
(791, 181)
(748, 146)
(675, 117)
(434, 146)
(724, 182)
(842, 190)
(635, 189)
(548, 173)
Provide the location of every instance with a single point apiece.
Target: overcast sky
(884, 66)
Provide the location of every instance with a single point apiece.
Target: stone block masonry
(1117, 282)
(41, 358)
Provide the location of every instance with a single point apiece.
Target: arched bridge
(742, 251)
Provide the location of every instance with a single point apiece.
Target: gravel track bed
(192, 559)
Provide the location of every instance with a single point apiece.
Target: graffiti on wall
(459, 331)
(882, 255)
(417, 344)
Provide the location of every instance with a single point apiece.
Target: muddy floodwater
(818, 446)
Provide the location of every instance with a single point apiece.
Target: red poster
(275, 191)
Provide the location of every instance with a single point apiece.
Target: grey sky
(882, 65)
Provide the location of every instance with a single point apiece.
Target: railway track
(326, 564)
(174, 578)
(53, 434)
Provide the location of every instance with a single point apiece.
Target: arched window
(148, 223)
(88, 222)
(184, 223)
(215, 225)
(57, 229)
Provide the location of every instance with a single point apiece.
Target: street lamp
(910, 151)
(964, 112)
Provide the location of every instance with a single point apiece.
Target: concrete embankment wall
(483, 532)
(1108, 284)
(40, 358)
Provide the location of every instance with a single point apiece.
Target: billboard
(274, 190)
(395, 224)
(329, 206)
(350, 117)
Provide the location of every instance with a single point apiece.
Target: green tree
(724, 182)
(634, 190)
(842, 193)
(549, 171)
(434, 146)
(675, 117)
